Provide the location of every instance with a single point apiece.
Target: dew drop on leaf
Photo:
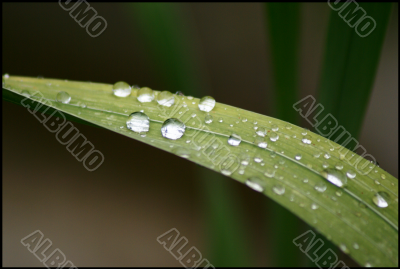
(381, 199)
(207, 103)
(261, 131)
(256, 184)
(273, 137)
(121, 89)
(336, 177)
(145, 95)
(278, 189)
(260, 142)
(165, 98)
(306, 139)
(173, 129)
(298, 156)
(351, 174)
(234, 140)
(63, 97)
(138, 122)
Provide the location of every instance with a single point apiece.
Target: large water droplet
(145, 95)
(173, 129)
(206, 103)
(336, 177)
(306, 139)
(260, 142)
(321, 187)
(165, 98)
(63, 97)
(256, 184)
(273, 136)
(261, 131)
(278, 189)
(234, 140)
(381, 199)
(121, 89)
(208, 119)
(138, 122)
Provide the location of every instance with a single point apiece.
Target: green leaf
(347, 216)
(350, 66)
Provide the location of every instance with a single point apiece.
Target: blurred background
(112, 216)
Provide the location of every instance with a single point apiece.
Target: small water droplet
(325, 165)
(274, 127)
(244, 159)
(63, 97)
(244, 120)
(327, 155)
(121, 89)
(207, 103)
(25, 93)
(305, 180)
(356, 246)
(179, 93)
(182, 152)
(314, 206)
(351, 174)
(336, 177)
(221, 120)
(298, 156)
(260, 142)
(306, 139)
(145, 95)
(173, 129)
(165, 98)
(273, 136)
(258, 158)
(383, 176)
(381, 199)
(288, 126)
(304, 131)
(190, 97)
(208, 119)
(269, 172)
(321, 187)
(338, 193)
(256, 184)
(138, 122)
(234, 140)
(339, 166)
(278, 189)
(316, 155)
(261, 131)
(368, 264)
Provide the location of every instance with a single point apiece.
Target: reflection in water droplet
(63, 97)
(273, 136)
(278, 189)
(381, 199)
(261, 131)
(351, 174)
(121, 89)
(321, 187)
(274, 127)
(208, 119)
(256, 184)
(173, 129)
(260, 142)
(298, 156)
(306, 139)
(165, 98)
(207, 103)
(234, 140)
(145, 95)
(138, 122)
(336, 177)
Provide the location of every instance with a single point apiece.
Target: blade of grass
(342, 220)
(170, 42)
(284, 27)
(350, 66)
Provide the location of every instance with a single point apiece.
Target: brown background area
(112, 217)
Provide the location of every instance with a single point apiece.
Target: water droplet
(173, 129)
(234, 140)
(314, 206)
(351, 174)
(258, 158)
(82, 105)
(336, 177)
(381, 199)
(339, 166)
(269, 172)
(256, 184)
(63, 97)
(344, 248)
(274, 127)
(278, 189)
(327, 155)
(305, 180)
(273, 136)
(207, 103)
(6, 76)
(138, 122)
(165, 98)
(261, 131)
(306, 139)
(208, 119)
(190, 97)
(25, 93)
(244, 159)
(325, 165)
(383, 176)
(244, 120)
(145, 95)
(377, 182)
(260, 142)
(221, 120)
(121, 89)
(316, 155)
(288, 126)
(368, 264)
(338, 193)
(304, 131)
(182, 152)
(356, 246)
(298, 157)
(321, 187)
